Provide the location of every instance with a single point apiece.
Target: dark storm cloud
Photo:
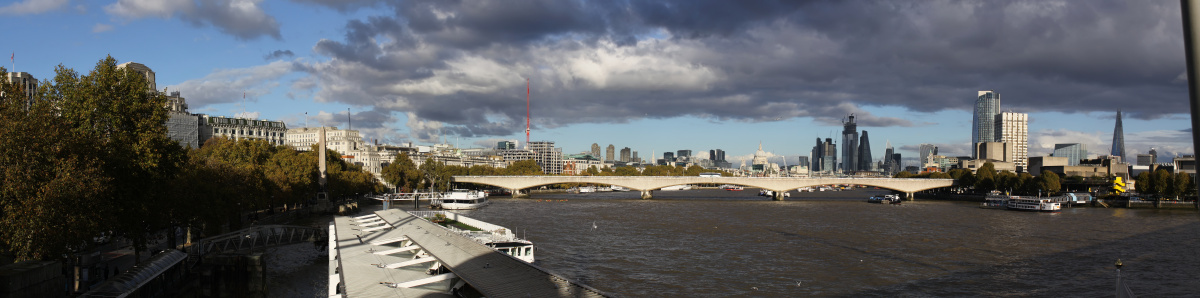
(458, 66)
(278, 54)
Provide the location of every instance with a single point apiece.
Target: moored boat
(493, 236)
(460, 199)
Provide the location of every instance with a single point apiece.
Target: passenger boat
(460, 199)
(619, 188)
(493, 236)
(730, 187)
(771, 193)
(677, 187)
(1034, 204)
(1041, 204)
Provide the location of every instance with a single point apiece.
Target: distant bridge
(648, 184)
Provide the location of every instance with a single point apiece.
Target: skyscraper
(596, 150)
(824, 156)
(864, 153)
(634, 157)
(712, 155)
(1118, 143)
(626, 154)
(927, 150)
(1013, 128)
(849, 145)
(609, 152)
(889, 166)
(987, 106)
(1072, 151)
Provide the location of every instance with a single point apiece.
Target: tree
(626, 171)
(1048, 182)
(1183, 185)
(1162, 181)
(402, 173)
(1007, 181)
(985, 177)
(1145, 183)
(902, 174)
(527, 167)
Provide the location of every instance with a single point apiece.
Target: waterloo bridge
(648, 184)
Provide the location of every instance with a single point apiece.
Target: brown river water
(726, 243)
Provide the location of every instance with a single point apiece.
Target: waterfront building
(596, 150)
(864, 153)
(1013, 129)
(243, 128)
(1097, 167)
(987, 106)
(1074, 152)
(942, 162)
(548, 157)
(927, 150)
(26, 82)
(579, 166)
(975, 164)
(1037, 163)
(341, 140)
(993, 151)
(849, 145)
(144, 70)
(183, 127)
(1118, 143)
(1147, 159)
(626, 154)
(1185, 164)
(608, 156)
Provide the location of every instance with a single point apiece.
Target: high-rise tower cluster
(991, 128)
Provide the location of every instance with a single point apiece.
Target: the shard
(1118, 143)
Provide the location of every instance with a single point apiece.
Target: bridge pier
(909, 195)
(647, 194)
(779, 195)
(516, 193)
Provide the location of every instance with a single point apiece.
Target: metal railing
(255, 237)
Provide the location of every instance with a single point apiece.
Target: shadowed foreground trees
(88, 156)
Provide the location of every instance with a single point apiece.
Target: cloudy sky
(654, 76)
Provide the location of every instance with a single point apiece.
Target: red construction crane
(526, 112)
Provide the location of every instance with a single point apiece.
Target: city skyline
(646, 79)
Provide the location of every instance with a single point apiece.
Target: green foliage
(1145, 183)
(402, 173)
(523, 168)
(626, 171)
(89, 156)
(1048, 182)
(1185, 184)
(985, 177)
(903, 174)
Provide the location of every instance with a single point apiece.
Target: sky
(654, 76)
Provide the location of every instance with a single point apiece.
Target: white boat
(496, 237)
(1042, 204)
(731, 187)
(771, 193)
(460, 199)
(587, 189)
(677, 187)
(619, 188)
(886, 199)
(1033, 204)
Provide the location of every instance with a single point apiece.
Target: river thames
(726, 243)
(720, 243)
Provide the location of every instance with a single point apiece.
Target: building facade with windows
(1013, 128)
(241, 128)
(1074, 152)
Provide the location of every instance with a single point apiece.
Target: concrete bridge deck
(393, 253)
(647, 184)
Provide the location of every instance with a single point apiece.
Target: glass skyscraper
(1118, 144)
(983, 125)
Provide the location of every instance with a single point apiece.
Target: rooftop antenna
(349, 126)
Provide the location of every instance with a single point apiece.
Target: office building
(987, 106)
(993, 151)
(864, 153)
(1013, 129)
(609, 152)
(1073, 152)
(669, 157)
(927, 150)
(803, 161)
(626, 154)
(506, 145)
(1148, 159)
(849, 145)
(824, 157)
(548, 157)
(183, 127)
